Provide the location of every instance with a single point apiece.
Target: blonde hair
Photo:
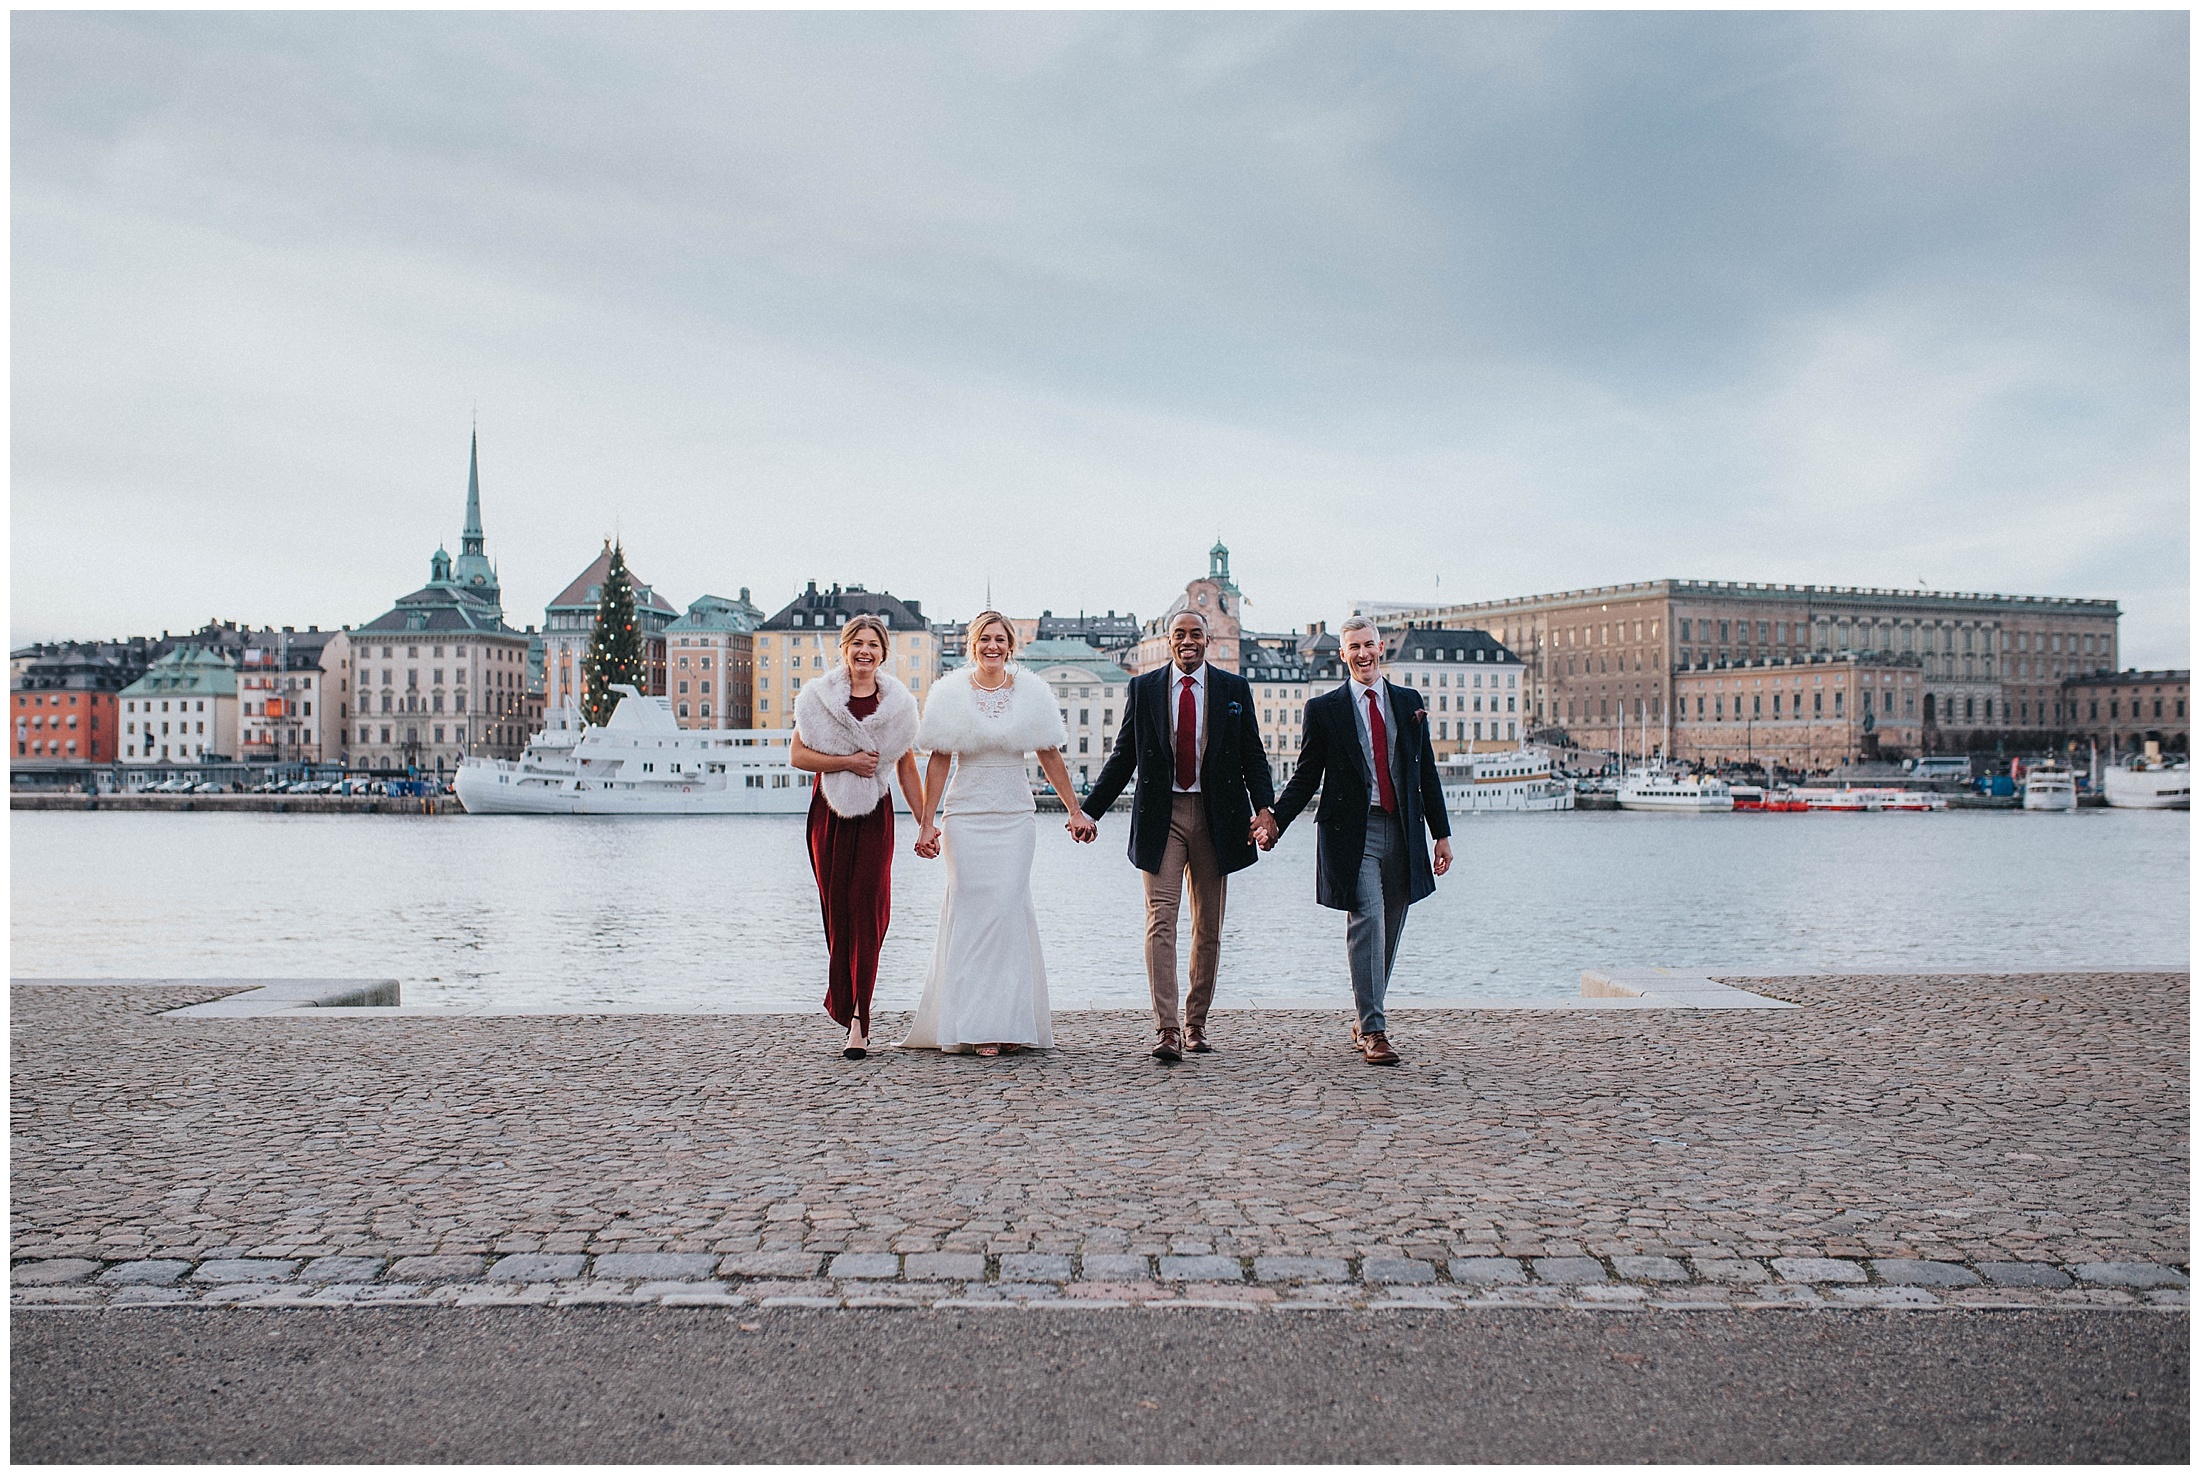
(872, 623)
(984, 618)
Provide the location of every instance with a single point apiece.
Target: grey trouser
(1190, 849)
(1371, 928)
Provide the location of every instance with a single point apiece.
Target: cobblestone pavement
(1898, 1141)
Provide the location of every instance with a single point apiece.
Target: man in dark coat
(1190, 735)
(1368, 751)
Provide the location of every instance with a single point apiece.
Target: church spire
(470, 540)
(471, 570)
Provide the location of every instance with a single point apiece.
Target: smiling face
(990, 646)
(1188, 642)
(1363, 652)
(865, 650)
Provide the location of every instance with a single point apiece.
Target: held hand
(1265, 830)
(865, 764)
(1443, 856)
(1082, 829)
(928, 842)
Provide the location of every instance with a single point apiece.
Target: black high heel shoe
(857, 1052)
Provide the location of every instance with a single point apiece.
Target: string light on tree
(615, 655)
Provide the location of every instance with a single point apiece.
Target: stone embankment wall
(247, 803)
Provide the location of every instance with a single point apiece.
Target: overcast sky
(1510, 302)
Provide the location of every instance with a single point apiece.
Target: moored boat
(640, 762)
(2147, 784)
(1668, 791)
(2051, 789)
(1870, 799)
(1520, 781)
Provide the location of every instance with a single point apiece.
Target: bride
(987, 988)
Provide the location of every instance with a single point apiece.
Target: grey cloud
(1594, 296)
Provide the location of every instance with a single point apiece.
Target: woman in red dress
(853, 727)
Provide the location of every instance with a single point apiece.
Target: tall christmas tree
(615, 650)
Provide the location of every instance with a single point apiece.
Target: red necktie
(1187, 737)
(1381, 734)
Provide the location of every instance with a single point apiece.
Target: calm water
(721, 913)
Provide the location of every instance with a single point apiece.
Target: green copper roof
(1039, 655)
(716, 612)
(189, 669)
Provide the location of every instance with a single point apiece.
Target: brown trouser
(1190, 849)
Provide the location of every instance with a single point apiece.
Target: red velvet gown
(853, 860)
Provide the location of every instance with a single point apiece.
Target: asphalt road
(632, 1384)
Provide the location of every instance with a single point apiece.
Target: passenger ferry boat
(2050, 788)
(1865, 800)
(1655, 788)
(1520, 781)
(640, 762)
(2147, 783)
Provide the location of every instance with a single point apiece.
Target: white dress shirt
(1175, 697)
(1381, 689)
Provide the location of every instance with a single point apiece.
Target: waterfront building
(66, 697)
(1106, 633)
(182, 710)
(570, 623)
(802, 642)
(2122, 711)
(1214, 596)
(224, 638)
(1090, 689)
(1803, 712)
(710, 662)
(294, 696)
(440, 675)
(1591, 656)
(1470, 684)
(1280, 669)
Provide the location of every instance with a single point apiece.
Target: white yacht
(1519, 781)
(1866, 799)
(1664, 789)
(2050, 788)
(640, 762)
(2147, 783)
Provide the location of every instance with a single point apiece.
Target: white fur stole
(953, 724)
(822, 718)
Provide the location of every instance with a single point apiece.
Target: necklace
(981, 686)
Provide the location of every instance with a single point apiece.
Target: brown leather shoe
(1375, 1048)
(1356, 1048)
(1170, 1048)
(1195, 1040)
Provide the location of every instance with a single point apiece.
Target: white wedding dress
(988, 979)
